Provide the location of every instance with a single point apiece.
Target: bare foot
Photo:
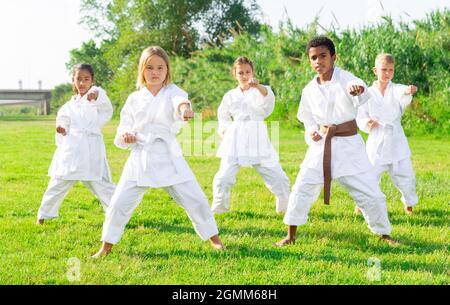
(219, 247)
(408, 210)
(357, 211)
(389, 240)
(216, 243)
(284, 242)
(100, 253)
(104, 250)
(40, 221)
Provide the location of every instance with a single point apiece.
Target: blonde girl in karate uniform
(387, 146)
(245, 140)
(149, 121)
(80, 154)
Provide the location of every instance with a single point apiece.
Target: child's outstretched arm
(182, 109)
(98, 97)
(404, 95)
(264, 104)
(410, 90)
(355, 88)
(253, 82)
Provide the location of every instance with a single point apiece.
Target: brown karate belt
(346, 129)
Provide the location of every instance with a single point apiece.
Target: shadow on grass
(366, 242)
(434, 217)
(288, 254)
(430, 217)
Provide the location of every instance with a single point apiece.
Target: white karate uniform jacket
(156, 160)
(80, 154)
(387, 143)
(332, 104)
(241, 117)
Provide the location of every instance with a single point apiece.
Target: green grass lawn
(160, 246)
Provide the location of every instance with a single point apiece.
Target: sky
(36, 36)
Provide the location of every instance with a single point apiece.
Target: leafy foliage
(421, 49)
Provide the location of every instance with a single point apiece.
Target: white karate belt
(90, 133)
(146, 143)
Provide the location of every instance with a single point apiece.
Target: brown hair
(145, 57)
(242, 60)
(86, 67)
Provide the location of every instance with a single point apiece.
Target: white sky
(37, 35)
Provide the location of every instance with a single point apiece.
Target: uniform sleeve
(350, 80)
(62, 116)
(178, 97)
(126, 125)
(224, 115)
(362, 118)
(305, 116)
(62, 119)
(104, 107)
(400, 96)
(264, 105)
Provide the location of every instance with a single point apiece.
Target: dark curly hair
(321, 41)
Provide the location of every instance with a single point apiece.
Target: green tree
(89, 53)
(225, 17)
(173, 24)
(60, 94)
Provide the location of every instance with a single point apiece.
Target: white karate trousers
(402, 174)
(363, 188)
(274, 177)
(58, 188)
(128, 196)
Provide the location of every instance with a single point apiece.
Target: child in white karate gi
(245, 140)
(387, 146)
(80, 154)
(149, 121)
(328, 109)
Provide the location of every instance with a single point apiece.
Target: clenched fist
(410, 90)
(315, 136)
(372, 124)
(92, 96)
(355, 90)
(129, 138)
(61, 130)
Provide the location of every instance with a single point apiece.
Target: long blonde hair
(145, 57)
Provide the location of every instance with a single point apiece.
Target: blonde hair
(384, 57)
(146, 55)
(242, 60)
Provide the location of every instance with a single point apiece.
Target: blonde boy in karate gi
(387, 146)
(245, 140)
(149, 121)
(328, 109)
(80, 153)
